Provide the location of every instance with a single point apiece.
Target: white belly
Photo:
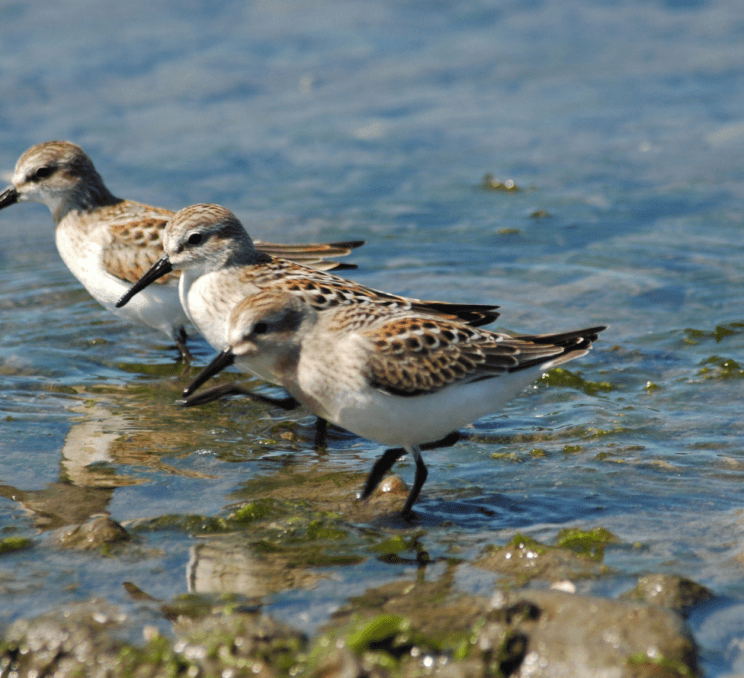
(156, 306)
(399, 421)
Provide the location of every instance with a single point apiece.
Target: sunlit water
(621, 121)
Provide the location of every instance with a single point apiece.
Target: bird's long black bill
(8, 197)
(161, 267)
(221, 361)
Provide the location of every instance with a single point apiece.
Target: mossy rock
(670, 591)
(524, 559)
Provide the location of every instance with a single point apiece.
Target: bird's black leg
(321, 429)
(181, 339)
(386, 461)
(381, 467)
(419, 480)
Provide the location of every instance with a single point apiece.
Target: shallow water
(622, 121)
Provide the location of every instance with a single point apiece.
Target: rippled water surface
(622, 123)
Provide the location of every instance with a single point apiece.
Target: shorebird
(108, 243)
(396, 375)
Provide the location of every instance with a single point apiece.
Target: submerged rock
(428, 628)
(78, 640)
(586, 637)
(524, 559)
(240, 644)
(98, 532)
(667, 590)
(81, 640)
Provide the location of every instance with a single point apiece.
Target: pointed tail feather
(569, 345)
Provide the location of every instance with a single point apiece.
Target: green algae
(393, 546)
(290, 534)
(506, 456)
(590, 543)
(385, 642)
(375, 631)
(187, 523)
(695, 336)
(260, 509)
(158, 656)
(718, 367)
(13, 544)
(322, 530)
(658, 667)
(524, 559)
(593, 432)
(522, 541)
(563, 378)
(492, 183)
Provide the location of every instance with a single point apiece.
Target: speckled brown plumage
(324, 291)
(135, 246)
(415, 354)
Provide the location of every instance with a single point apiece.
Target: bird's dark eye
(260, 328)
(42, 173)
(195, 238)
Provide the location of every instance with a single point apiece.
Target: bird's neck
(87, 196)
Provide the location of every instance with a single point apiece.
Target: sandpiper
(398, 376)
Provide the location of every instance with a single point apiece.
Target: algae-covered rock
(589, 543)
(671, 591)
(562, 377)
(71, 642)
(524, 559)
(585, 637)
(81, 640)
(13, 544)
(240, 644)
(418, 629)
(436, 609)
(327, 492)
(98, 532)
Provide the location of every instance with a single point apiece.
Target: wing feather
(134, 247)
(416, 355)
(323, 291)
(313, 254)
